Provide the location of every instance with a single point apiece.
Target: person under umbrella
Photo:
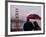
(36, 27)
(28, 26)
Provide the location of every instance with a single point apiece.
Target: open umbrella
(33, 16)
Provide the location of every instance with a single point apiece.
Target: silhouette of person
(28, 26)
(37, 27)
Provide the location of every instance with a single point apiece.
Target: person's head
(35, 23)
(27, 19)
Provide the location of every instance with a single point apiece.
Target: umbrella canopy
(34, 16)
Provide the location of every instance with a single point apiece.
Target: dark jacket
(28, 26)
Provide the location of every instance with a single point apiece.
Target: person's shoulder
(30, 22)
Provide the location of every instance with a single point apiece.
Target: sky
(24, 11)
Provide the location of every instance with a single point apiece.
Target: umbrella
(33, 16)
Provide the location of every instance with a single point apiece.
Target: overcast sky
(24, 11)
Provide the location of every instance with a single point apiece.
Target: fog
(24, 11)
